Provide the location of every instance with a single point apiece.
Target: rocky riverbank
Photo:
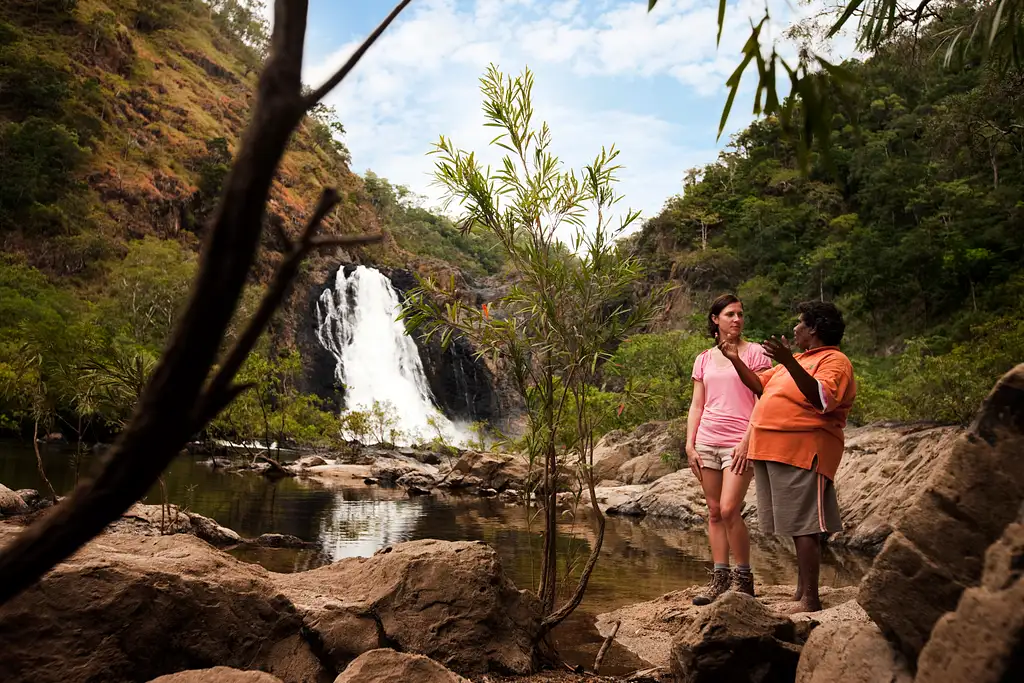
(942, 601)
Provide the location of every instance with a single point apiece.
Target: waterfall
(376, 360)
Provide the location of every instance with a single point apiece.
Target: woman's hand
(739, 458)
(693, 457)
(730, 350)
(778, 350)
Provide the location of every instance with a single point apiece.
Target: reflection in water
(640, 560)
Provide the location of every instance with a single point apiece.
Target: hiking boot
(743, 582)
(719, 583)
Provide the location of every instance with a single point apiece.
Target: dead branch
(39, 461)
(605, 645)
(174, 403)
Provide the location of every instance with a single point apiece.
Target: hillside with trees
(118, 124)
(912, 222)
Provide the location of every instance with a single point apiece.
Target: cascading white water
(376, 360)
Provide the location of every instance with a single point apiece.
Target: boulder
(647, 628)
(420, 481)
(497, 471)
(610, 454)
(736, 639)
(388, 666)
(851, 653)
(449, 601)
(213, 533)
(982, 640)
(883, 469)
(938, 546)
(679, 496)
(129, 608)
(392, 467)
(218, 674)
(281, 541)
(30, 496)
(645, 468)
(11, 503)
(308, 461)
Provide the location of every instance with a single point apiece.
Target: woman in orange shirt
(796, 437)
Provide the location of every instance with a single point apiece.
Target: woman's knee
(731, 511)
(714, 511)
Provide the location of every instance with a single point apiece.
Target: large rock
(679, 496)
(133, 607)
(645, 469)
(213, 533)
(11, 503)
(883, 469)
(392, 467)
(937, 548)
(388, 666)
(850, 653)
(647, 628)
(218, 674)
(449, 601)
(736, 639)
(497, 471)
(983, 640)
(610, 453)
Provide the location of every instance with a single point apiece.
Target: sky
(606, 72)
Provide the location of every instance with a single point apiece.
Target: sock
(743, 569)
(721, 565)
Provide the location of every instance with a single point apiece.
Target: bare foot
(798, 606)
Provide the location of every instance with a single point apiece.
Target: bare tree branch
(338, 77)
(165, 417)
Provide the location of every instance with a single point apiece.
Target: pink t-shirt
(727, 401)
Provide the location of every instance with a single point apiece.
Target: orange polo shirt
(786, 428)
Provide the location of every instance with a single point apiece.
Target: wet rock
(420, 481)
(736, 639)
(449, 601)
(511, 496)
(370, 481)
(280, 541)
(937, 548)
(129, 608)
(850, 653)
(11, 503)
(213, 533)
(218, 674)
(981, 641)
(496, 471)
(487, 493)
(388, 666)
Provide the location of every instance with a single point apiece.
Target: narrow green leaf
(721, 21)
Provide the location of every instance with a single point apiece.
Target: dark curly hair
(825, 319)
(717, 306)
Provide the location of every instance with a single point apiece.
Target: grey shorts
(714, 457)
(795, 502)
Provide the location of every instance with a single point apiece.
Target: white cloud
(421, 80)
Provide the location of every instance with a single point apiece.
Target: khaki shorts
(714, 457)
(795, 502)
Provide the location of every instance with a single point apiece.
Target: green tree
(567, 308)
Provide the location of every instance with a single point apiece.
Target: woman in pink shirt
(718, 418)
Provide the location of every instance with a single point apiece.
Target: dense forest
(118, 124)
(912, 223)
